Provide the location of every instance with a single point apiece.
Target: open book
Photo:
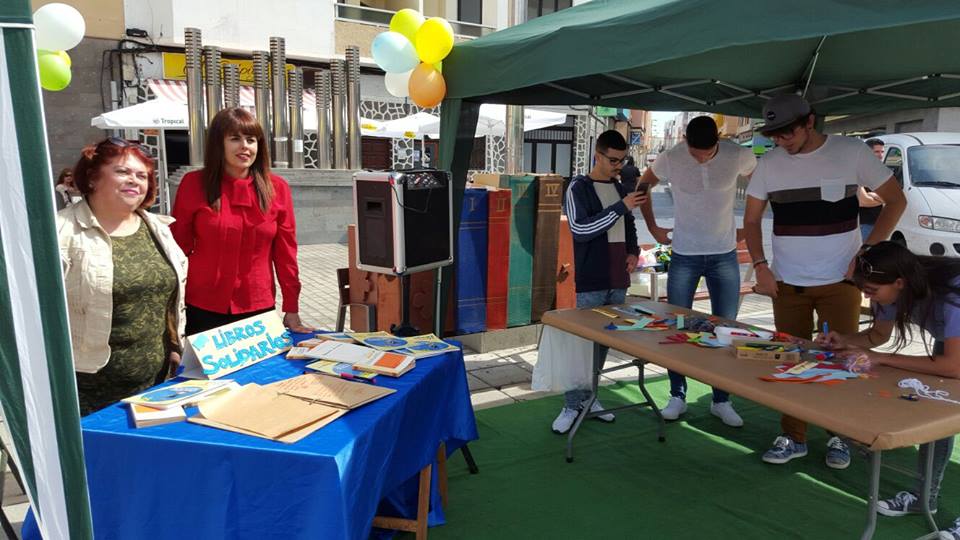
(423, 346)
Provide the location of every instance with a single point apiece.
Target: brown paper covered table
(854, 409)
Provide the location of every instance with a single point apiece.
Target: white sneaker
(675, 407)
(565, 420)
(724, 411)
(597, 407)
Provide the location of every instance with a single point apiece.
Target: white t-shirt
(608, 194)
(815, 209)
(703, 196)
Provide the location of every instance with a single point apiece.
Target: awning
(169, 110)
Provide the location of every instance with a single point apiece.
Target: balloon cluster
(59, 28)
(412, 54)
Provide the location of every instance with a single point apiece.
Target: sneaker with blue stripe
(784, 449)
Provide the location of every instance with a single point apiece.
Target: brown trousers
(793, 309)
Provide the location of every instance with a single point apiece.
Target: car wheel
(899, 239)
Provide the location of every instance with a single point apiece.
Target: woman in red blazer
(235, 222)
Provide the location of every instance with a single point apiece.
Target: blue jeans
(865, 230)
(942, 450)
(722, 273)
(592, 299)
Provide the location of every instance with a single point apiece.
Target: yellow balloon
(434, 40)
(65, 56)
(407, 22)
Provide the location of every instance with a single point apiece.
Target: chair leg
(417, 526)
(442, 472)
(341, 317)
(7, 527)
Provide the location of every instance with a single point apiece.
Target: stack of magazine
(165, 405)
(362, 356)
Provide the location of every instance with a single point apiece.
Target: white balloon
(59, 27)
(398, 83)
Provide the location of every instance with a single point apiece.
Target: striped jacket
(589, 223)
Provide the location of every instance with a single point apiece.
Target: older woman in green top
(124, 276)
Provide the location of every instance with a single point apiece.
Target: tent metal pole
(812, 66)
(567, 90)
(164, 173)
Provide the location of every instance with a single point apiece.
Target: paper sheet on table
(330, 391)
(564, 362)
(289, 438)
(263, 411)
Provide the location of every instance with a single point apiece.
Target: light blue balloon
(394, 53)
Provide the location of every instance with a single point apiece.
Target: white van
(927, 165)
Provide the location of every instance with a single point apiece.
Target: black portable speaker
(404, 220)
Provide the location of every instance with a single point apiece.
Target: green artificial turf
(705, 482)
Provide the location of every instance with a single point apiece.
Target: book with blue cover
(471, 263)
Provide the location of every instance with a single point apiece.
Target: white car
(927, 165)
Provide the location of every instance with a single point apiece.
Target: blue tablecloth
(188, 481)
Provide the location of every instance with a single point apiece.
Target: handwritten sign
(217, 352)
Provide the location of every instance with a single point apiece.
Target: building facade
(130, 43)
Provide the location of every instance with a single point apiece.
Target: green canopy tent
(38, 397)
(706, 55)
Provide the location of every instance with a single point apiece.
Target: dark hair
(874, 142)
(628, 161)
(799, 122)
(96, 156)
(702, 133)
(611, 140)
(65, 173)
(235, 121)
(925, 278)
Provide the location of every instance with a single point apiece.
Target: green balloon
(54, 72)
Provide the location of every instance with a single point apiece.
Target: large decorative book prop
(404, 220)
(498, 258)
(215, 353)
(522, 225)
(383, 291)
(471, 263)
(566, 290)
(549, 194)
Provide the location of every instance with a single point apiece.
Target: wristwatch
(759, 262)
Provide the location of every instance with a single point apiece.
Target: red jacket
(232, 254)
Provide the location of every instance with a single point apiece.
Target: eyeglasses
(613, 161)
(784, 135)
(123, 143)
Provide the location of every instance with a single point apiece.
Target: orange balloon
(427, 87)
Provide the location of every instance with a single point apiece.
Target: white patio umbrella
(492, 120)
(162, 113)
(414, 126)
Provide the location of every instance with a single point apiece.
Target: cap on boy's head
(702, 133)
(781, 111)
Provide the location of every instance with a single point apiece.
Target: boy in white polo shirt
(702, 171)
(811, 181)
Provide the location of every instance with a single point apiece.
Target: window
(934, 165)
(894, 160)
(470, 11)
(549, 150)
(537, 8)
